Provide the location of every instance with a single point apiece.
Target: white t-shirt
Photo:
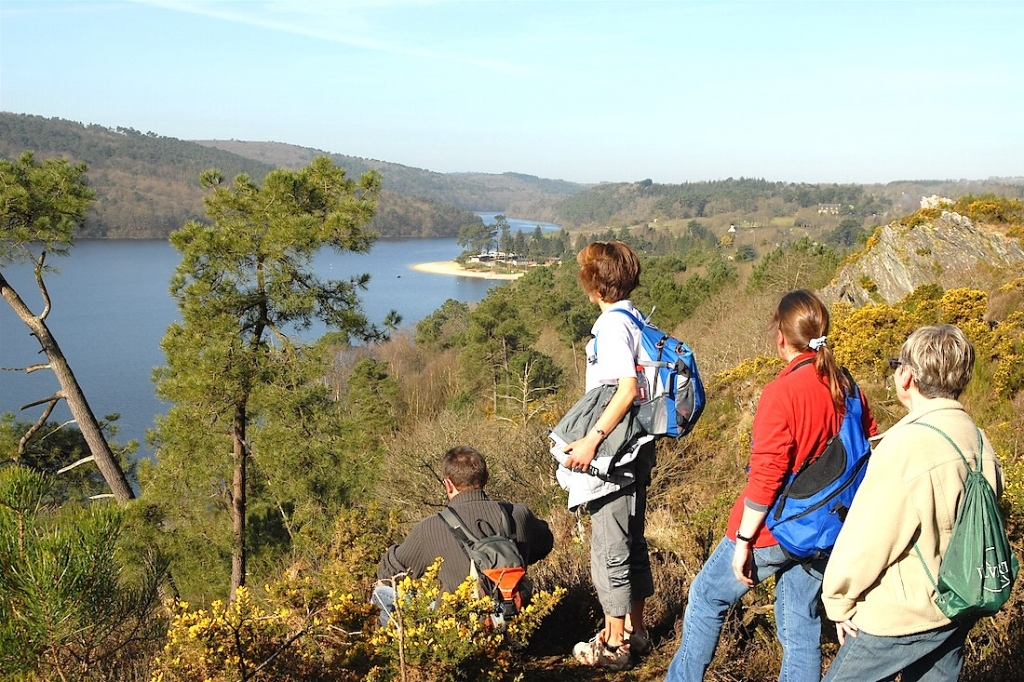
(612, 353)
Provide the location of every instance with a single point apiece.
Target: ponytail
(838, 383)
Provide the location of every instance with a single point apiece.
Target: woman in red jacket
(799, 411)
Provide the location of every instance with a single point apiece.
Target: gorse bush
(300, 631)
(439, 637)
(991, 209)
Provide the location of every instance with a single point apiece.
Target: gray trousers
(620, 564)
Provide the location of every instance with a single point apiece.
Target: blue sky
(582, 91)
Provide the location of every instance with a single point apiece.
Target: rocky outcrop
(949, 251)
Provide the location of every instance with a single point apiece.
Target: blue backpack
(671, 393)
(808, 515)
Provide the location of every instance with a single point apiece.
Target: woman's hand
(743, 563)
(844, 628)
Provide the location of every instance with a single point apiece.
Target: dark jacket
(432, 538)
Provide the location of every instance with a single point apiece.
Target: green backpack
(976, 574)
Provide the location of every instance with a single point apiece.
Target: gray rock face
(946, 251)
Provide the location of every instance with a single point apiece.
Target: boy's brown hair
(611, 270)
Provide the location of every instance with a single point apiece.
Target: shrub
(991, 209)
(301, 634)
(76, 603)
(921, 217)
(435, 637)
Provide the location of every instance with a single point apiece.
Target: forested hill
(147, 185)
(750, 202)
(516, 194)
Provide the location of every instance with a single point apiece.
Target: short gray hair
(941, 358)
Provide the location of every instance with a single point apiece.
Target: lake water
(111, 307)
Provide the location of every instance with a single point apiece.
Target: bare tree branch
(42, 286)
(72, 466)
(52, 400)
(38, 425)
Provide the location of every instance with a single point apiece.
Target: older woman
(875, 588)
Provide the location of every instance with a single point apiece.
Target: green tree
(519, 244)
(536, 248)
(244, 288)
(444, 328)
(504, 233)
(477, 237)
(800, 264)
(745, 252)
(849, 232)
(497, 360)
(373, 402)
(41, 206)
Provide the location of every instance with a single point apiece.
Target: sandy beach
(450, 267)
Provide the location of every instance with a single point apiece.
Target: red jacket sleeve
(773, 448)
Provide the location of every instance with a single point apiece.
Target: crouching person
(464, 473)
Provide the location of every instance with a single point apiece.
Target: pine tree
(41, 207)
(245, 289)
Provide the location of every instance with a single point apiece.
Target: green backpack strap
(956, 447)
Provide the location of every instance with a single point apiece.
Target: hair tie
(815, 344)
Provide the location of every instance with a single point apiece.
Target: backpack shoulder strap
(956, 447)
(802, 363)
(506, 520)
(854, 388)
(458, 527)
(637, 321)
(466, 536)
(967, 464)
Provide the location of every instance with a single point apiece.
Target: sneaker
(599, 655)
(639, 642)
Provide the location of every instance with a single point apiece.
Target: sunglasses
(894, 363)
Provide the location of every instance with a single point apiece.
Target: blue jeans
(715, 590)
(932, 656)
(383, 597)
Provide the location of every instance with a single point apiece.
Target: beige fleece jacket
(911, 491)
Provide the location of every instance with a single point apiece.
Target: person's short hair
(609, 269)
(465, 468)
(941, 359)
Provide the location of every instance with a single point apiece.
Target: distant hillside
(757, 203)
(515, 194)
(148, 186)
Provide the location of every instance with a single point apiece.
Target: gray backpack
(495, 562)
